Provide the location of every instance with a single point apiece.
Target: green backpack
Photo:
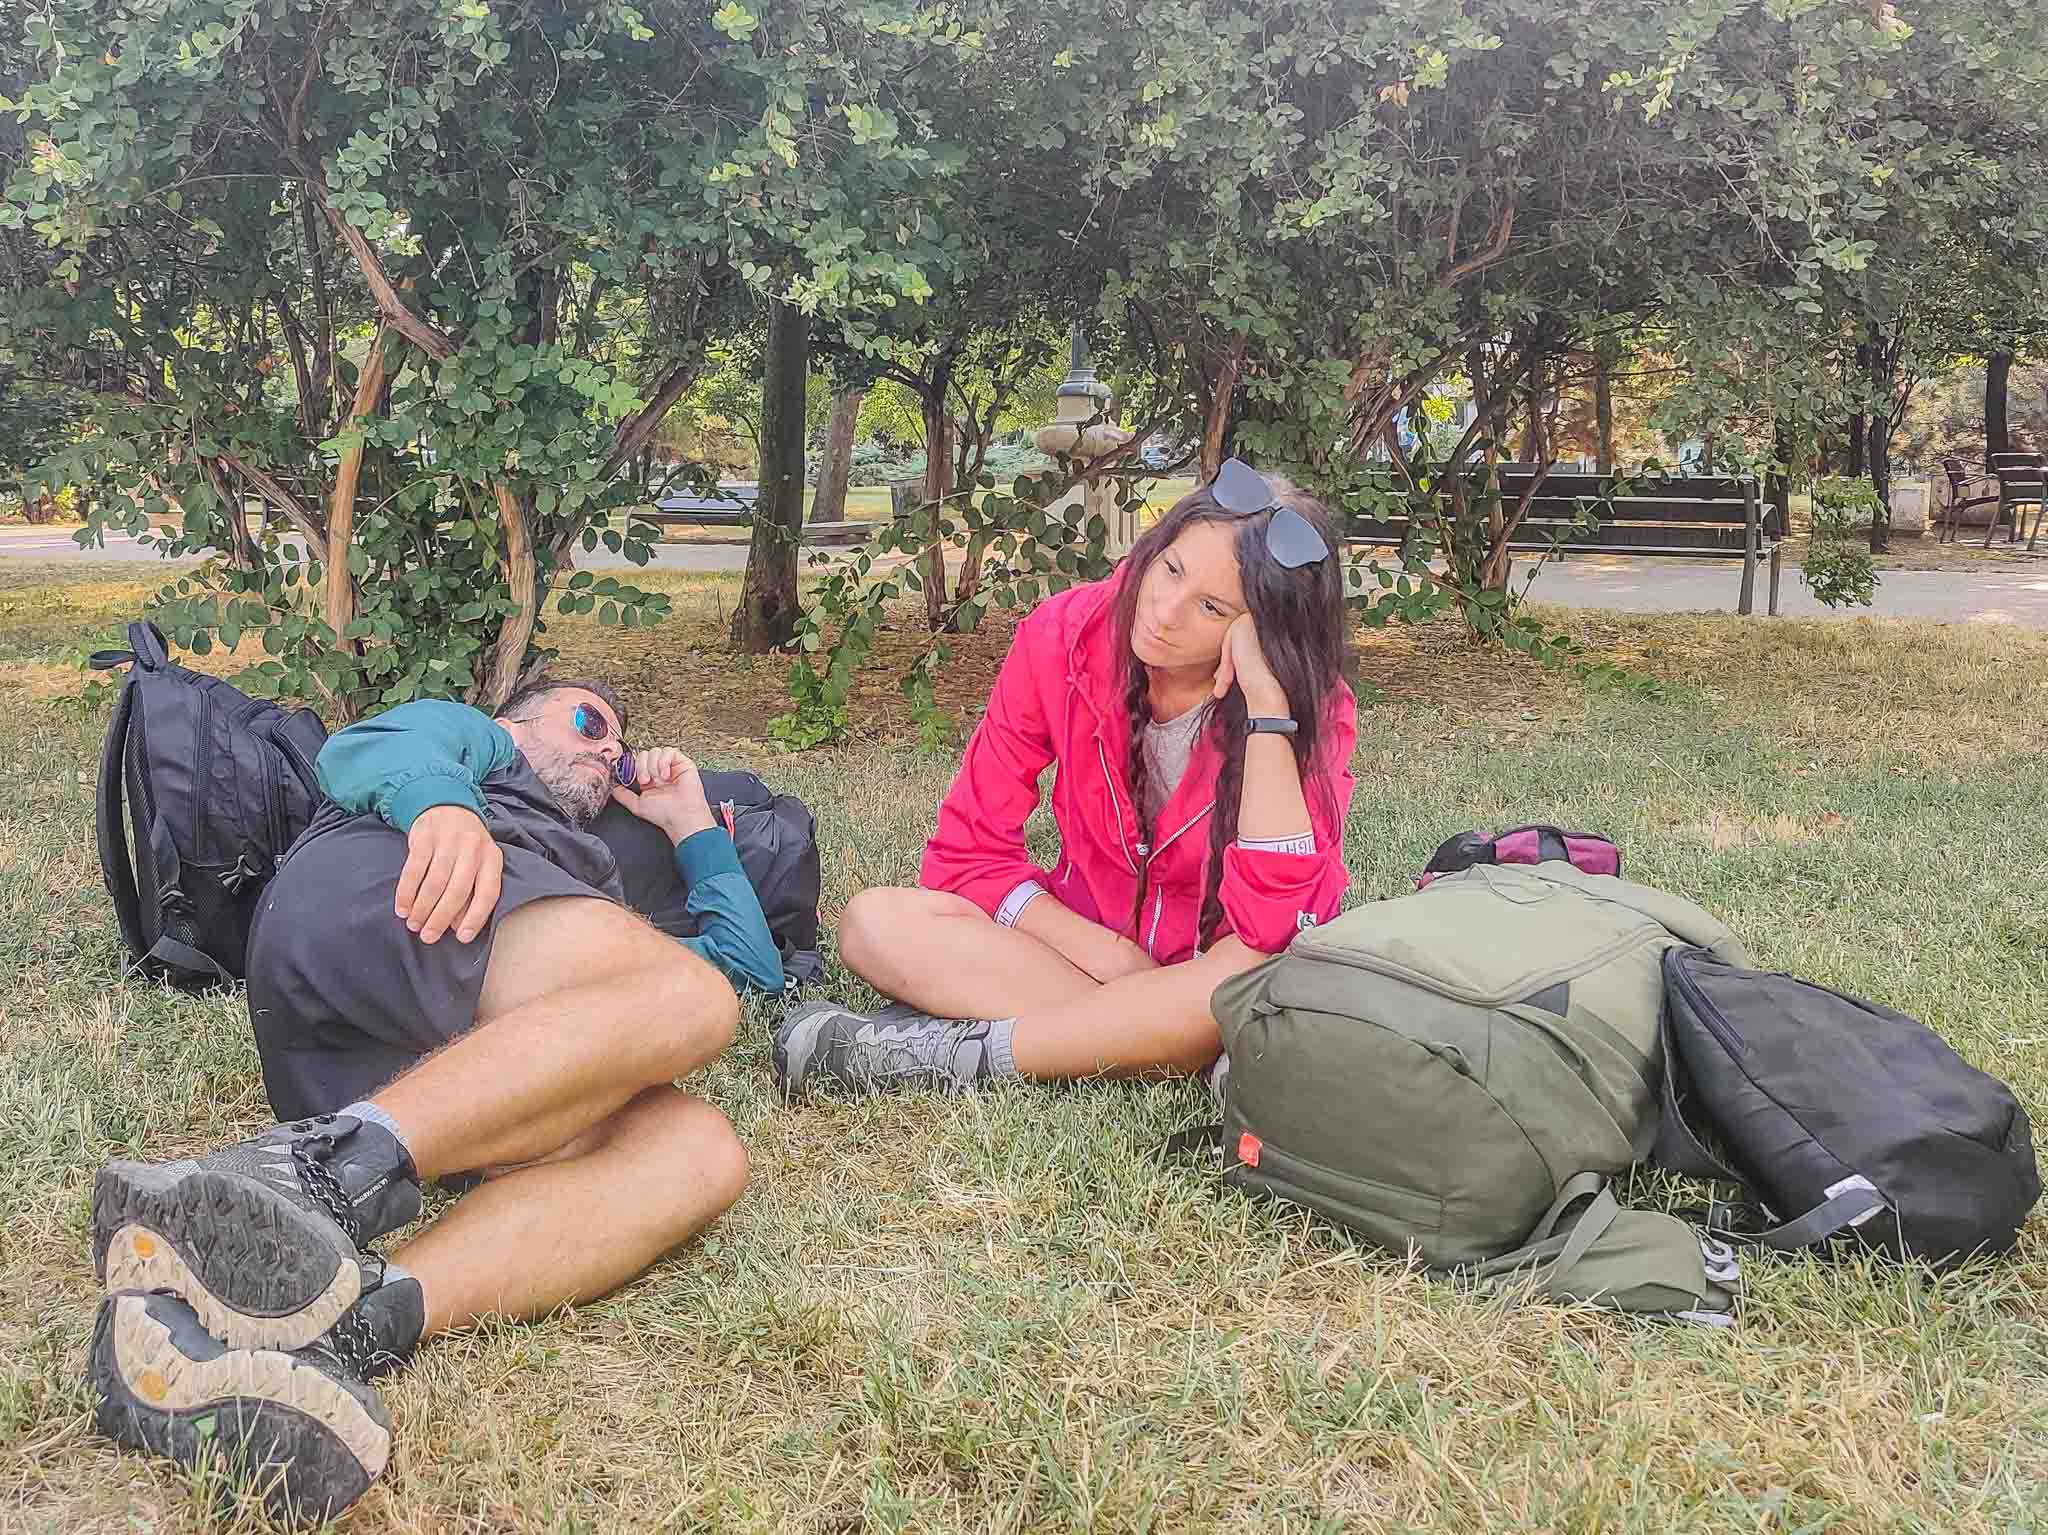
(1455, 1074)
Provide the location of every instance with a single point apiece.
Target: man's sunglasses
(1291, 538)
(593, 726)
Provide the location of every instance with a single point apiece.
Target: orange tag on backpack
(1248, 1147)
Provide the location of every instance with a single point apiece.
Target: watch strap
(1275, 724)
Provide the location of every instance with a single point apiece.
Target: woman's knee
(885, 922)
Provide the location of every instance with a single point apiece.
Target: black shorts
(342, 996)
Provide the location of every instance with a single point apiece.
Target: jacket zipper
(1152, 938)
(1716, 1021)
(1522, 988)
(1115, 804)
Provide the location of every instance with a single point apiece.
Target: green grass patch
(1000, 1313)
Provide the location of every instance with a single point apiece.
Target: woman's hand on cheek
(1244, 662)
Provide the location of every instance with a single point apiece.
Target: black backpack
(777, 839)
(217, 786)
(1839, 1116)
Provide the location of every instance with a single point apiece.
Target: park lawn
(1000, 1313)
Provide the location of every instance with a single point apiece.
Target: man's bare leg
(581, 1224)
(584, 1006)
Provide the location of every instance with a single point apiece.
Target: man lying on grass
(1202, 732)
(443, 984)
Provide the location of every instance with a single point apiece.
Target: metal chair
(1960, 501)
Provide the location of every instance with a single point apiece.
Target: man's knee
(698, 1005)
(691, 1148)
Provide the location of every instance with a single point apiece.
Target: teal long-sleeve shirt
(431, 752)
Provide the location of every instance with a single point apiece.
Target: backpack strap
(110, 829)
(1677, 1149)
(1196, 1138)
(146, 640)
(1837, 1212)
(168, 951)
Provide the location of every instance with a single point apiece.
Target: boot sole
(282, 1425)
(260, 1271)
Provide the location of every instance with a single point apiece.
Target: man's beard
(569, 780)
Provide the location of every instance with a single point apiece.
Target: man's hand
(452, 874)
(670, 793)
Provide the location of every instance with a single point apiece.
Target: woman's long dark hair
(1300, 617)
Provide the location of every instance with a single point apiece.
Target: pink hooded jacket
(1059, 699)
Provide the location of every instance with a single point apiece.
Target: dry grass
(999, 1313)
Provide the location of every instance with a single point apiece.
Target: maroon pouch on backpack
(1586, 851)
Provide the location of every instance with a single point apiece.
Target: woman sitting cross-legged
(1194, 707)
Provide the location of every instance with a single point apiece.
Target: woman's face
(1188, 597)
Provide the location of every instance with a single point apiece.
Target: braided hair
(1300, 617)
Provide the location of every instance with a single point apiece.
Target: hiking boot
(822, 1045)
(303, 1428)
(262, 1239)
(381, 1331)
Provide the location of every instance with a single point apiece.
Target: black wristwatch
(1271, 724)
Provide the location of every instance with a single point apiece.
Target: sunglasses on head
(1291, 538)
(593, 726)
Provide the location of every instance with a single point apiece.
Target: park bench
(2022, 481)
(1695, 517)
(733, 506)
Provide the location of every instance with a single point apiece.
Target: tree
(766, 617)
(835, 466)
(426, 283)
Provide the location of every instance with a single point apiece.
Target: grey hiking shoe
(261, 1239)
(303, 1427)
(822, 1046)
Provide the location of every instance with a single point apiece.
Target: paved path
(2002, 593)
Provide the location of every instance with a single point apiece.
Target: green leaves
(735, 21)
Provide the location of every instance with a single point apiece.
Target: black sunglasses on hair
(1291, 538)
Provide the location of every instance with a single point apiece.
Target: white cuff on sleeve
(1304, 843)
(1015, 902)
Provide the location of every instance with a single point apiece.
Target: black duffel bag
(776, 837)
(1838, 1117)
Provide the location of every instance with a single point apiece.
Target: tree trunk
(1997, 373)
(938, 485)
(38, 509)
(829, 505)
(1216, 428)
(1858, 437)
(1603, 410)
(766, 617)
(507, 657)
(1879, 459)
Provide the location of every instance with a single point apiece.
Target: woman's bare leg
(942, 954)
(1158, 1021)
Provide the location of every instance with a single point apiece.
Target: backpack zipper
(1716, 1021)
(1650, 933)
(202, 776)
